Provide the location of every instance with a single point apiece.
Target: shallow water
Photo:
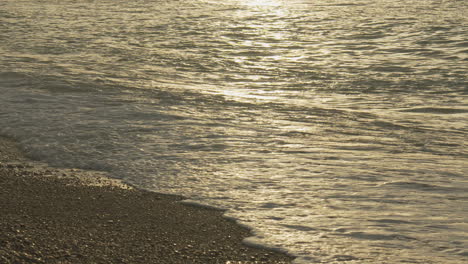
(336, 129)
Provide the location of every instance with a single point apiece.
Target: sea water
(335, 129)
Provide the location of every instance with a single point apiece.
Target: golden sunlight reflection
(261, 39)
(263, 2)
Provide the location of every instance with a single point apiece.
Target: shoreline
(50, 215)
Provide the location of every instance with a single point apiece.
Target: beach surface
(50, 215)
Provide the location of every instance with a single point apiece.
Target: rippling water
(336, 129)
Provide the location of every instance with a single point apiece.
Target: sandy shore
(52, 216)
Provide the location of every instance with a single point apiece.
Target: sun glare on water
(262, 2)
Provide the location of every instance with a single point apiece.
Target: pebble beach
(50, 215)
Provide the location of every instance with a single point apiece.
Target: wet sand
(51, 215)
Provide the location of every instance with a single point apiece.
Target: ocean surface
(336, 129)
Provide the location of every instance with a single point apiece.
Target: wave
(435, 110)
